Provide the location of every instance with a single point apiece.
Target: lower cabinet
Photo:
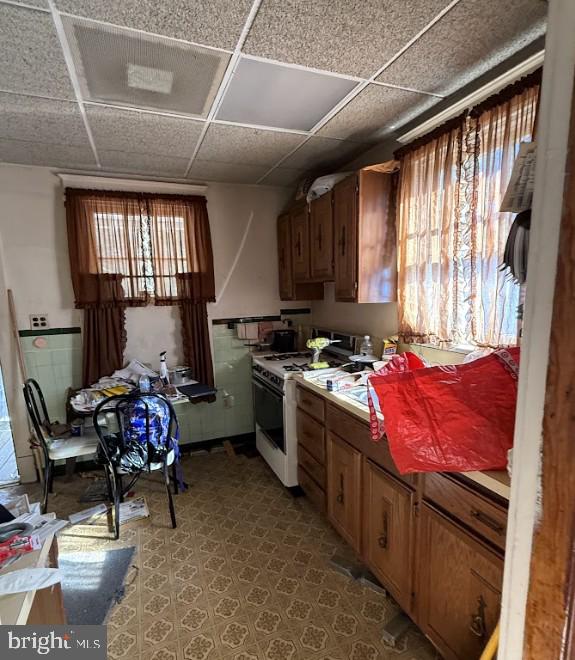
(344, 489)
(387, 532)
(460, 587)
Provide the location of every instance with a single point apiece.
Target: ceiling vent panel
(124, 67)
(268, 94)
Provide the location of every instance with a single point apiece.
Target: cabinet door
(345, 210)
(300, 247)
(286, 283)
(460, 588)
(344, 489)
(321, 245)
(387, 528)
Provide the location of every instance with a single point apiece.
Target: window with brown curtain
(451, 235)
(132, 249)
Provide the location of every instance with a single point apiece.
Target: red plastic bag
(451, 419)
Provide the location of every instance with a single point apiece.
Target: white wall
(36, 267)
(376, 319)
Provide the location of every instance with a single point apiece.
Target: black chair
(137, 433)
(54, 446)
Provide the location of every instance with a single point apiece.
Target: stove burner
(296, 367)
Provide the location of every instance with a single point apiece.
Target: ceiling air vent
(124, 67)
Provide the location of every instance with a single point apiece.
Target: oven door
(269, 412)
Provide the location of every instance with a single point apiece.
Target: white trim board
(131, 185)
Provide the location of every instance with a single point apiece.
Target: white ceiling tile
(212, 22)
(374, 111)
(250, 146)
(48, 155)
(203, 170)
(269, 94)
(119, 66)
(143, 132)
(321, 153)
(138, 163)
(41, 4)
(284, 176)
(468, 41)
(31, 59)
(347, 36)
(41, 120)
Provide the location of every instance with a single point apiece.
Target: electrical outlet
(39, 321)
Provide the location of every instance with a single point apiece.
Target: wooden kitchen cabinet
(300, 243)
(344, 489)
(321, 238)
(288, 288)
(388, 531)
(365, 251)
(460, 584)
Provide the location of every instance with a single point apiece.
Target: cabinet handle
(340, 497)
(486, 520)
(298, 245)
(319, 238)
(477, 625)
(342, 241)
(382, 540)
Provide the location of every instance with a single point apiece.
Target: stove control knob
(276, 380)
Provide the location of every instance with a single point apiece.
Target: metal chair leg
(175, 478)
(51, 482)
(117, 496)
(109, 483)
(47, 480)
(170, 500)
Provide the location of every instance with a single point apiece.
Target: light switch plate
(39, 321)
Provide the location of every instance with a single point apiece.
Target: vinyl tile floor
(245, 576)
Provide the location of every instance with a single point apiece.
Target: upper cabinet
(321, 238)
(300, 245)
(288, 288)
(347, 235)
(365, 251)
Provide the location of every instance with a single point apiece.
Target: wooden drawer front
(475, 511)
(311, 435)
(313, 404)
(357, 433)
(314, 468)
(315, 494)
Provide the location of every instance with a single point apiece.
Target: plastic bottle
(144, 383)
(366, 347)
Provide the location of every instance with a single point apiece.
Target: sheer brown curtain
(451, 235)
(427, 228)
(183, 266)
(131, 249)
(104, 245)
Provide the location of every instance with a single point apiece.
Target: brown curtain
(181, 245)
(451, 235)
(129, 249)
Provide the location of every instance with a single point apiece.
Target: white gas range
(275, 401)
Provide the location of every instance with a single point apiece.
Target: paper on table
(28, 579)
(519, 193)
(133, 371)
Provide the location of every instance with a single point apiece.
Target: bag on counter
(451, 418)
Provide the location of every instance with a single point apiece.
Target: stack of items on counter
(23, 528)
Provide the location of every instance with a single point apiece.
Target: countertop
(497, 481)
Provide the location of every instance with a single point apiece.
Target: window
(451, 234)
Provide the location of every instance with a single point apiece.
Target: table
(35, 607)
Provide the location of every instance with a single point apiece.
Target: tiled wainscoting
(58, 366)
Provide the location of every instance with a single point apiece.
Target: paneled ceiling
(235, 90)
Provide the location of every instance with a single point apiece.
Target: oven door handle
(258, 382)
